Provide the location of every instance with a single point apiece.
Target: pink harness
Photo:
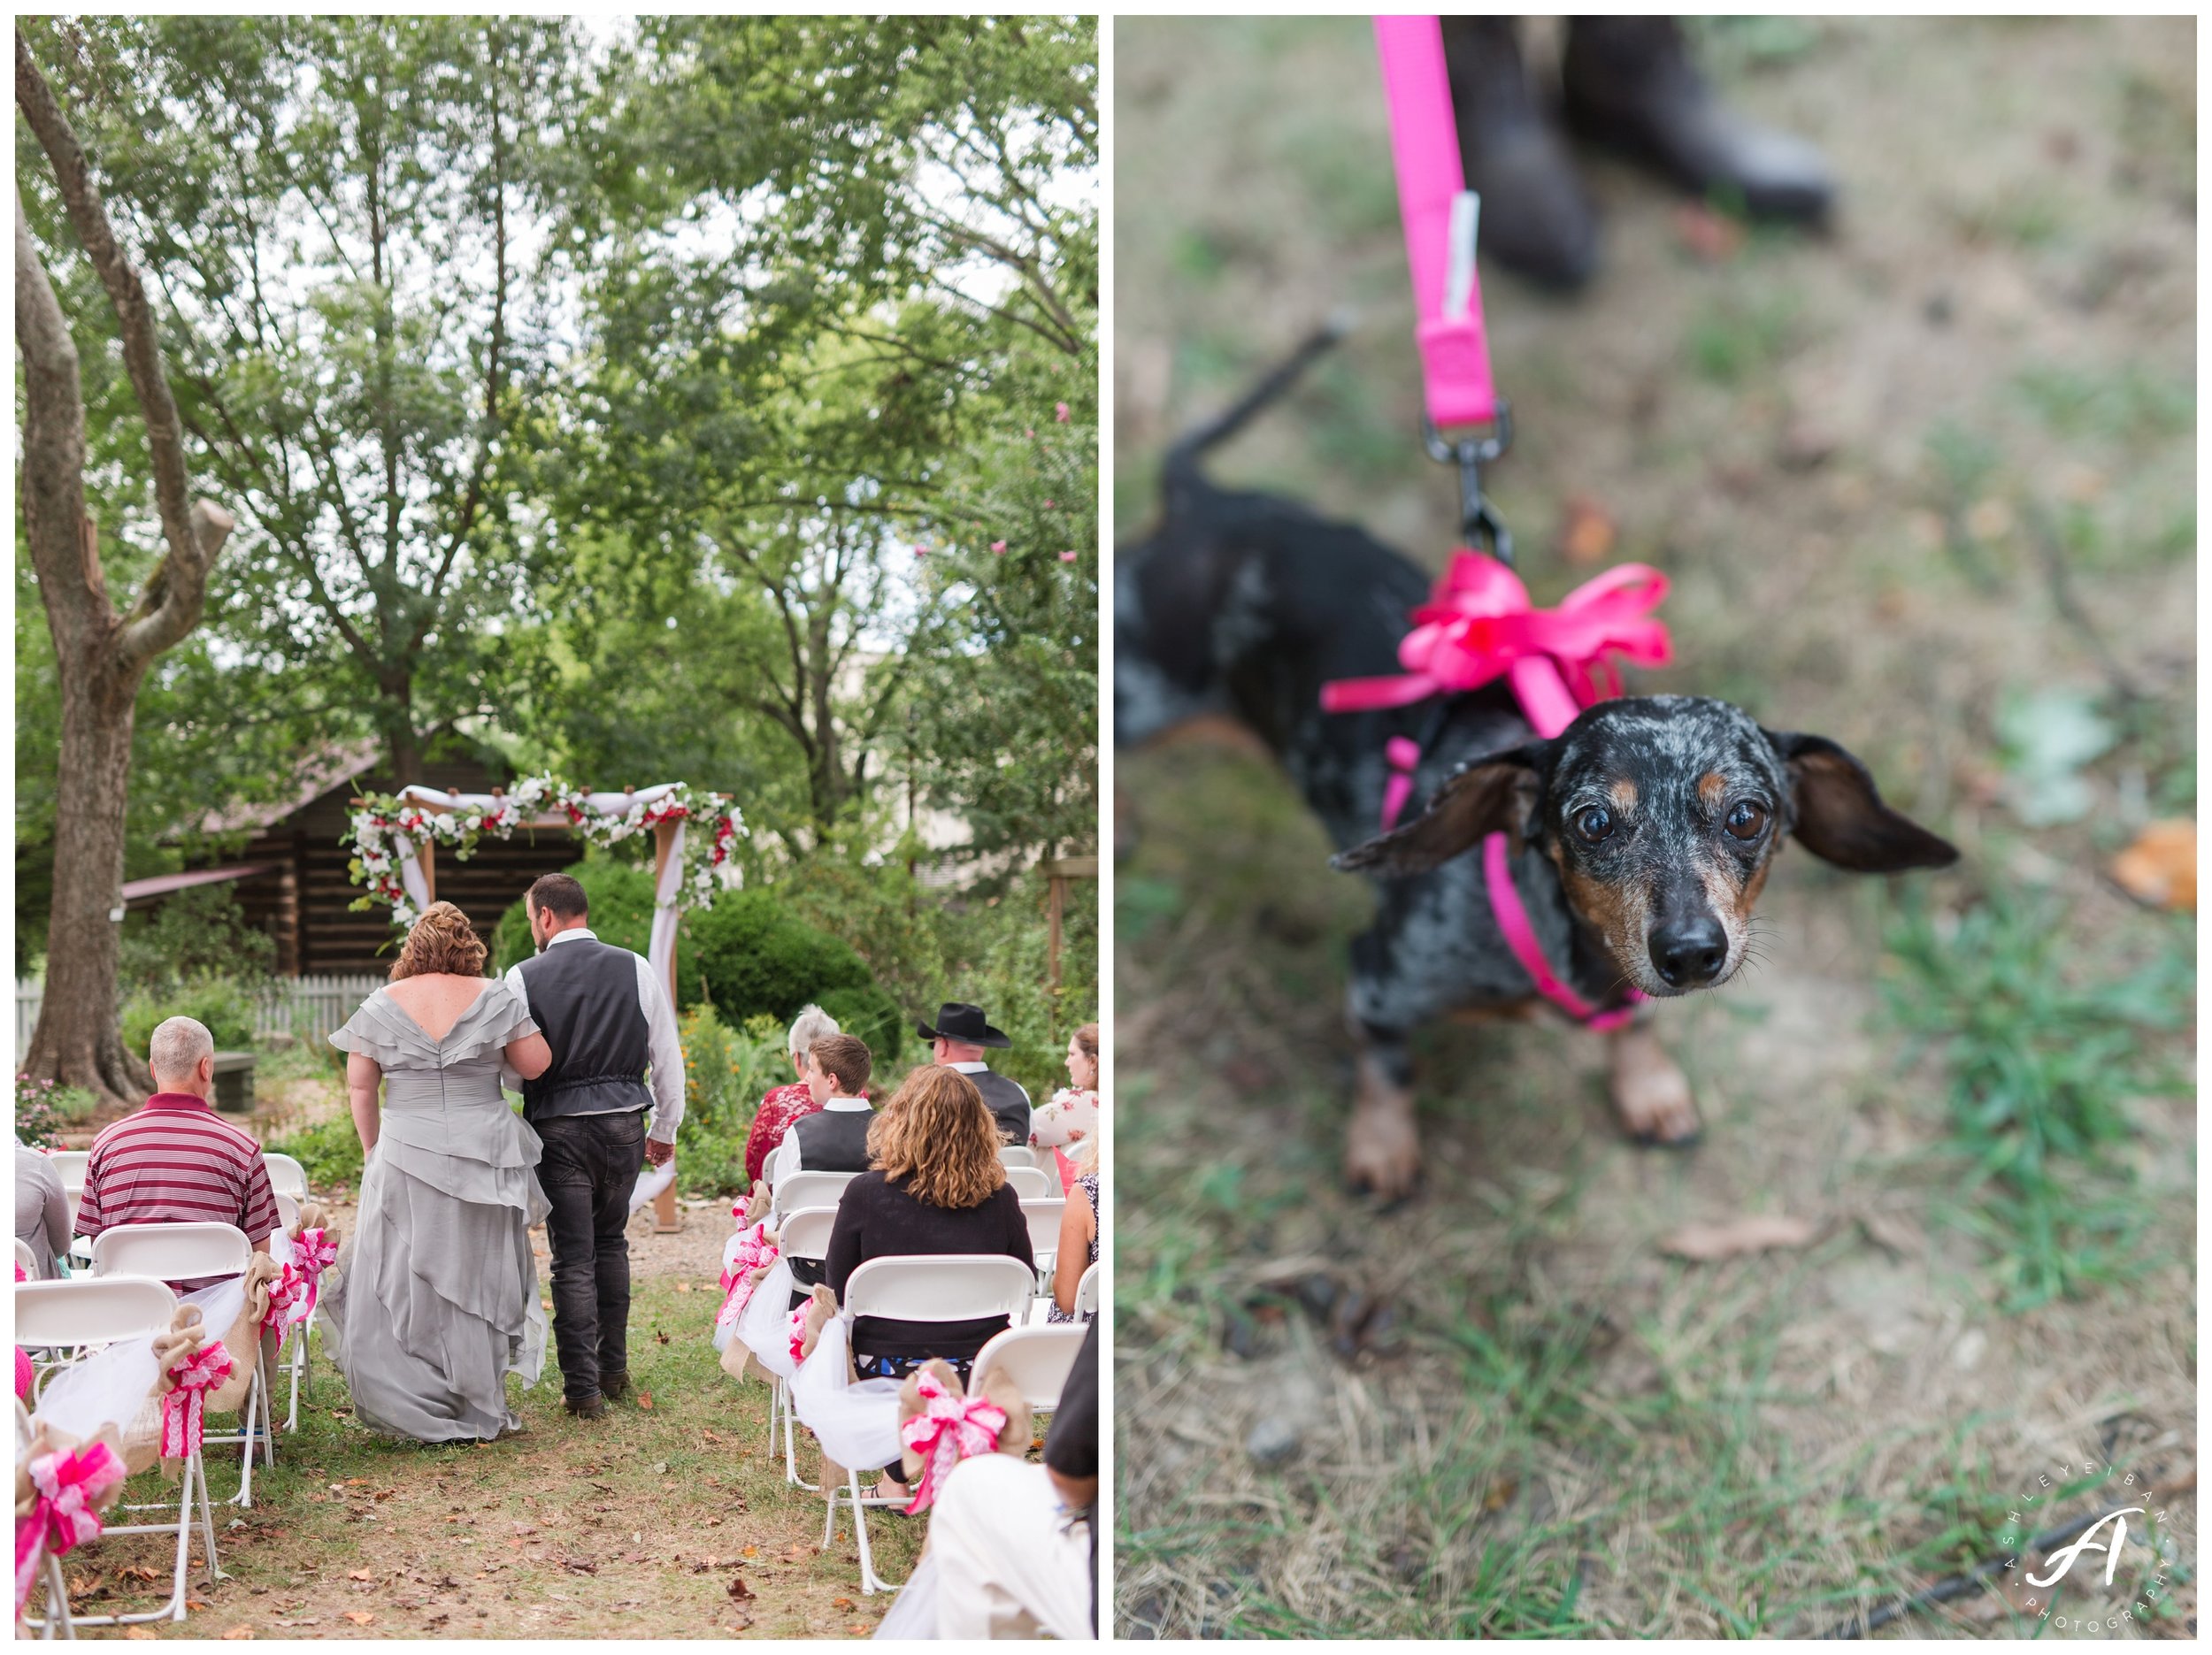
(1478, 624)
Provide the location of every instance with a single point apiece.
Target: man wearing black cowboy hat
(957, 1041)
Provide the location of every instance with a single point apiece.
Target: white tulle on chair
(113, 1386)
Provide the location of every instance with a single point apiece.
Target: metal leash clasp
(1478, 520)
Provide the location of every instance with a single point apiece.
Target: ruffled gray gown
(436, 1299)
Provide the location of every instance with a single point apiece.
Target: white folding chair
(1022, 1155)
(805, 1235)
(57, 1588)
(1087, 1293)
(804, 1189)
(1044, 1234)
(294, 1362)
(1033, 1184)
(179, 1253)
(69, 1164)
(940, 1287)
(1037, 1359)
(26, 1259)
(88, 1311)
(286, 1177)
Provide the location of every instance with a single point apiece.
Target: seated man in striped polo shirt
(177, 1162)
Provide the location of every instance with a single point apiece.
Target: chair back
(171, 1253)
(1039, 1360)
(70, 1164)
(26, 1259)
(286, 1177)
(805, 1234)
(940, 1287)
(287, 1212)
(1020, 1155)
(1031, 1184)
(1086, 1291)
(87, 1311)
(1044, 1223)
(810, 1189)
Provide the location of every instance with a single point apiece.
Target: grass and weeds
(661, 1521)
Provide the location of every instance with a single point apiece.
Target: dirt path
(661, 1521)
(1501, 1409)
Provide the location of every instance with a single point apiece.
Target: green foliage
(44, 1109)
(225, 1004)
(621, 899)
(2041, 1051)
(727, 1072)
(330, 1151)
(200, 932)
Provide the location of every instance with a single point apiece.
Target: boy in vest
(615, 1059)
(833, 1139)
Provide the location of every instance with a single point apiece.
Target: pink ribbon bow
(798, 1334)
(950, 1428)
(313, 1251)
(68, 1489)
(1478, 624)
(753, 1250)
(184, 1410)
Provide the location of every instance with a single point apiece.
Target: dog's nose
(1689, 953)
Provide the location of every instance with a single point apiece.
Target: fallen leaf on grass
(752, 1552)
(1705, 1244)
(359, 1617)
(707, 1435)
(359, 1574)
(136, 1632)
(738, 1589)
(840, 1603)
(581, 1566)
(660, 1336)
(195, 1603)
(857, 1629)
(683, 1287)
(386, 1494)
(645, 1400)
(234, 1633)
(2161, 867)
(1588, 535)
(797, 1554)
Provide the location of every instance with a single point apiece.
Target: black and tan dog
(1640, 835)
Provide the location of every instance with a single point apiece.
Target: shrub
(225, 1004)
(727, 1072)
(42, 1108)
(200, 932)
(748, 954)
(330, 1151)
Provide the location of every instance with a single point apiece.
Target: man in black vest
(957, 1041)
(610, 1024)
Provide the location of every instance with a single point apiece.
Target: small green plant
(330, 1151)
(726, 1073)
(225, 1004)
(2040, 1047)
(44, 1110)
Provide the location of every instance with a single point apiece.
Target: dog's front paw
(1382, 1148)
(1651, 1094)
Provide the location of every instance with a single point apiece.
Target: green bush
(330, 1151)
(199, 932)
(726, 1073)
(225, 1004)
(748, 955)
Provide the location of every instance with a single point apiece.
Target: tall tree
(357, 221)
(103, 656)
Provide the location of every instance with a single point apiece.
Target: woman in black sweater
(935, 1185)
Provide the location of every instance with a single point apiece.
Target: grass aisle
(642, 1526)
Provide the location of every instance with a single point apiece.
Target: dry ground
(1499, 1409)
(662, 1521)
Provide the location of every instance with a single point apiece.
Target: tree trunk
(78, 1040)
(101, 656)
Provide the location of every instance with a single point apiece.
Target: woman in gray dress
(437, 1296)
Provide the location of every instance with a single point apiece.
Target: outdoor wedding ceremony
(559, 1079)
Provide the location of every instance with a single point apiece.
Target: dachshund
(1638, 838)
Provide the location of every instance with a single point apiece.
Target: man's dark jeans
(590, 1167)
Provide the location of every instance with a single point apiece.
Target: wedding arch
(396, 837)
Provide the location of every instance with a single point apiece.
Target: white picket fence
(306, 1008)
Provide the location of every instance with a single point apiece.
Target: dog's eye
(1594, 823)
(1747, 820)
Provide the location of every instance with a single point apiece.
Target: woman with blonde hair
(936, 1185)
(437, 1300)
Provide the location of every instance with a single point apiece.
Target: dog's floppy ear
(1496, 793)
(1839, 816)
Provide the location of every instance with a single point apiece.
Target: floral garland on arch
(385, 830)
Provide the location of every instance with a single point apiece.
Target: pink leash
(1478, 624)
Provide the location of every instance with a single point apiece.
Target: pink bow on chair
(950, 1428)
(313, 1251)
(1478, 624)
(754, 1251)
(67, 1490)
(184, 1408)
